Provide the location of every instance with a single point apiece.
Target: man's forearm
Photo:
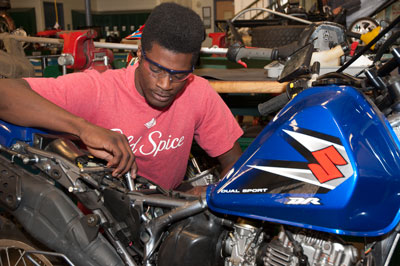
(228, 159)
(20, 105)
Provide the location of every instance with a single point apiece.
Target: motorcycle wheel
(362, 26)
(16, 247)
(13, 253)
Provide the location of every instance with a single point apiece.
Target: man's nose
(165, 82)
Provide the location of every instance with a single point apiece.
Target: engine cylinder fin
(277, 257)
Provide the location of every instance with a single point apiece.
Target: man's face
(161, 75)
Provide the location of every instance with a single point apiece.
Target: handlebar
(273, 104)
(237, 51)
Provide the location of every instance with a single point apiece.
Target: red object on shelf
(47, 33)
(353, 48)
(80, 45)
(218, 40)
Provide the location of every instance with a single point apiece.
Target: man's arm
(20, 105)
(228, 158)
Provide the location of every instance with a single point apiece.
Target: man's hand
(110, 146)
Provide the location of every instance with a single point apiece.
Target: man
(142, 118)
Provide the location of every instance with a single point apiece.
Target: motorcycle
(320, 185)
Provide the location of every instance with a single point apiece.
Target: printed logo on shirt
(151, 123)
(153, 144)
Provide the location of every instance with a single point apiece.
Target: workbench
(241, 81)
(243, 89)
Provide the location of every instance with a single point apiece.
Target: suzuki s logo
(302, 201)
(326, 162)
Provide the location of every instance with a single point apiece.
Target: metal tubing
(48, 253)
(272, 12)
(212, 50)
(32, 39)
(158, 200)
(43, 62)
(108, 45)
(392, 249)
(156, 226)
(189, 209)
(88, 14)
(129, 181)
(122, 46)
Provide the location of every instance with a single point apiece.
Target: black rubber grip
(256, 53)
(273, 104)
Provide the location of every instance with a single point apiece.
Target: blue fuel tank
(328, 161)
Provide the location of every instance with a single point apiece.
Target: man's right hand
(110, 146)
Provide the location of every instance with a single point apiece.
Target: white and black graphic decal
(326, 166)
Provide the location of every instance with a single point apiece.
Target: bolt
(92, 219)
(65, 60)
(46, 167)
(72, 189)
(55, 173)
(16, 146)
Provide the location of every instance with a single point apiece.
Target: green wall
(24, 18)
(108, 19)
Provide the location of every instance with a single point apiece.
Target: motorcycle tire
(362, 26)
(16, 247)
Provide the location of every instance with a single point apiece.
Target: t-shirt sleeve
(217, 129)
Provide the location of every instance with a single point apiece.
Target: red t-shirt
(160, 140)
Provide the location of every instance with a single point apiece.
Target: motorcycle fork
(382, 250)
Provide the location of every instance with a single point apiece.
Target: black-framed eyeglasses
(159, 71)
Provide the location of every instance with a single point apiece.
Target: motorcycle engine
(243, 245)
(247, 248)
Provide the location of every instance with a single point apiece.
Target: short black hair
(174, 27)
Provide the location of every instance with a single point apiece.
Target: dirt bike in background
(13, 63)
(365, 20)
(6, 22)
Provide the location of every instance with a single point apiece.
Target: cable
(55, 8)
